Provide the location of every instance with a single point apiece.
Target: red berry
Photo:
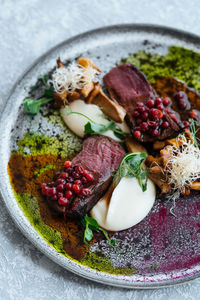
(76, 188)
(160, 106)
(64, 175)
(60, 181)
(54, 198)
(63, 201)
(68, 194)
(156, 113)
(79, 170)
(179, 95)
(51, 184)
(44, 190)
(140, 104)
(174, 118)
(43, 185)
(60, 187)
(165, 125)
(144, 126)
(155, 132)
(193, 114)
(51, 192)
(136, 114)
(85, 172)
(68, 186)
(89, 177)
(158, 101)
(60, 195)
(166, 101)
(150, 103)
(137, 134)
(67, 164)
(144, 116)
(186, 124)
(141, 109)
(85, 192)
(75, 174)
(78, 181)
(182, 105)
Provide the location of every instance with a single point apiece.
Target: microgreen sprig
(91, 226)
(95, 128)
(32, 107)
(194, 130)
(131, 166)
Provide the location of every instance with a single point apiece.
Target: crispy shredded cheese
(72, 77)
(183, 167)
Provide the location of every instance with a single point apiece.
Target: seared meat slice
(100, 156)
(128, 87)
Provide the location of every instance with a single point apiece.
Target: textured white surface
(27, 30)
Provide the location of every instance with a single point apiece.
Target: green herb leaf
(131, 166)
(32, 106)
(95, 128)
(91, 225)
(88, 234)
(194, 131)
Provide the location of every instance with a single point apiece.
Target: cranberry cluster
(182, 100)
(150, 117)
(68, 184)
(184, 104)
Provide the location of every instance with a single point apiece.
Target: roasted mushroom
(159, 167)
(91, 92)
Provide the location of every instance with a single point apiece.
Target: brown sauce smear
(22, 173)
(168, 86)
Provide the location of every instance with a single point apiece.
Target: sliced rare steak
(130, 88)
(100, 156)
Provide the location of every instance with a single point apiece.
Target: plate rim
(53, 254)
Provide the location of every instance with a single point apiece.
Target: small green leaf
(91, 222)
(91, 225)
(32, 107)
(95, 128)
(88, 235)
(131, 166)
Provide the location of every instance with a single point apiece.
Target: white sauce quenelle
(77, 122)
(127, 206)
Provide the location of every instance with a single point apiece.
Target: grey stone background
(27, 30)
